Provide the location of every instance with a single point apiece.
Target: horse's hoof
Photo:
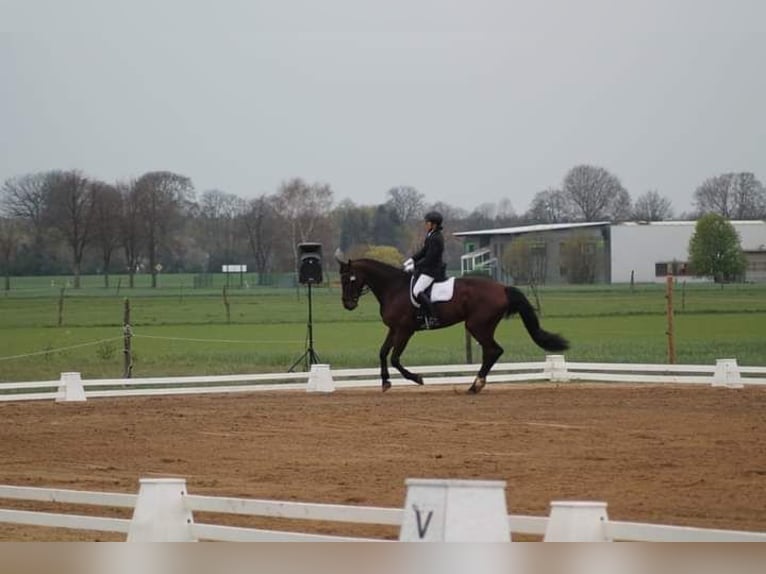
(386, 385)
(477, 386)
(418, 379)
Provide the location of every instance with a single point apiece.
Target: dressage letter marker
(455, 511)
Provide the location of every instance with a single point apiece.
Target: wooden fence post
(670, 333)
(61, 306)
(226, 304)
(127, 334)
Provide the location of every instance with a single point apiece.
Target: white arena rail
(163, 511)
(70, 387)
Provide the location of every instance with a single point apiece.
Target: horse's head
(351, 280)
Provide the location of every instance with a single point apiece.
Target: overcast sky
(469, 101)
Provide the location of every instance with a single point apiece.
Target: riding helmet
(434, 217)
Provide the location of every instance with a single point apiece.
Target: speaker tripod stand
(309, 357)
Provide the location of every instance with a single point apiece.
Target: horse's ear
(342, 259)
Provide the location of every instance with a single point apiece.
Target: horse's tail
(518, 303)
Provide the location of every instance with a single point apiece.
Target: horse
(480, 302)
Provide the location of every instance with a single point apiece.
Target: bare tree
(651, 206)
(406, 202)
(302, 207)
(549, 206)
(526, 260)
(596, 194)
(106, 222)
(260, 221)
(732, 195)
(11, 238)
(579, 257)
(131, 237)
(69, 210)
(218, 213)
(505, 214)
(162, 195)
(25, 197)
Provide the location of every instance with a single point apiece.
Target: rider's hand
(409, 265)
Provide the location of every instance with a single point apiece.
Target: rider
(429, 264)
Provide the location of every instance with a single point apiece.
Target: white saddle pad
(441, 291)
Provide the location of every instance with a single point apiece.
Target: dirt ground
(684, 455)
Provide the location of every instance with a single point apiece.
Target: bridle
(351, 292)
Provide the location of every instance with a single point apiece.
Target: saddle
(438, 291)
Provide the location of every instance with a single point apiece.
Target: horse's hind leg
(400, 342)
(491, 351)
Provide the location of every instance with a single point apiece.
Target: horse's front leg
(384, 350)
(401, 338)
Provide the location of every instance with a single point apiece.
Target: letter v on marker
(422, 528)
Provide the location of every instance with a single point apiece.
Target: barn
(599, 252)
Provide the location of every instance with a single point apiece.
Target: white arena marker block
(70, 389)
(556, 368)
(577, 522)
(320, 379)
(727, 374)
(455, 511)
(160, 514)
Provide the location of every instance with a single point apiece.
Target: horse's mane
(380, 265)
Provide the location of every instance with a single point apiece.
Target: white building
(652, 250)
(643, 252)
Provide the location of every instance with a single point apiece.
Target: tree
(260, 221)
(161, 196)
(579, 257)
(354, 223)
(549, 206)
(219, 213)
(69, 209)
(302, 206)
(25, 197)
(595, 194)
(11, 237)
(651, 206)
(406, 202)
(732, 195)
(106, 222)
(488, 214)
(131, 237)
(526, 261)
(386, 229)
(715, 250)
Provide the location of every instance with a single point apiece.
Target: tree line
(65, 222)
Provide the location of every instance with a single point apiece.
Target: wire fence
(49, 351)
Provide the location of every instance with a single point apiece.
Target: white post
(160, 514)
(455, 511)
(727, 374)
(70, 389)
(577, 522)
(320, 379)
(556, 368)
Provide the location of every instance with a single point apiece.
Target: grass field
(180, 330)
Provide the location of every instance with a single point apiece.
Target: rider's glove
(409, 265)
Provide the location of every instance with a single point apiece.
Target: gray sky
(468, 101)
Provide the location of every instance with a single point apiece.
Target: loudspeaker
(310, 263)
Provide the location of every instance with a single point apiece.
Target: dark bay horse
(480, 302)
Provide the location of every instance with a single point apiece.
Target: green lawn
(185, 331)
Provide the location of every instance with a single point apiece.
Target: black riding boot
(427, 307)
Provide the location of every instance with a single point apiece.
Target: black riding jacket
(429, 259)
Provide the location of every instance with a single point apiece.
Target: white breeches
(421, 284)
